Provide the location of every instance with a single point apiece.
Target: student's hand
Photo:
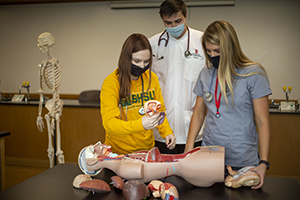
(151, 122)
(170, 142)
(261, 170)
(188, 147)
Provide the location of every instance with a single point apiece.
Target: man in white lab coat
(178, 60)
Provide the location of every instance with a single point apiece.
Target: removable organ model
(242, 177)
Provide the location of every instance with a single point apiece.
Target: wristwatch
(266, 163)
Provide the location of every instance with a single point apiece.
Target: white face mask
(176, 31)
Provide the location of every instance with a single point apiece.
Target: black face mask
(215, 61)
(138, 71)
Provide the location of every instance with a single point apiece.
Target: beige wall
(89, 37)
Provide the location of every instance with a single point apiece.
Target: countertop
(278, 111)
(4, 133)
(76, 103)
(67, 103)
(57, 183)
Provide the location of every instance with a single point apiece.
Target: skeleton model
(50, 77)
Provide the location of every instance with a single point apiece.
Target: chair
(89, 96)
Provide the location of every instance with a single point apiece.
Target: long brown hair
(134, 43)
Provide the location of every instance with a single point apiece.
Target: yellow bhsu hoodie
(129, 136)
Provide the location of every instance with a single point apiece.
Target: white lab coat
(177, 77)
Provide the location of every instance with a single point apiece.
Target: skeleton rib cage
(48, 77)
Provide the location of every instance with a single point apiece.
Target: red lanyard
(218, 101)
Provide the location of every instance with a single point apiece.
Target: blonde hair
(223, 34)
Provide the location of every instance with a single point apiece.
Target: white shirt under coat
(177, 77)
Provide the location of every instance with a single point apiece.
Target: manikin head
(45, 41)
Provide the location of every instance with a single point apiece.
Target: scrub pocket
(193, 68)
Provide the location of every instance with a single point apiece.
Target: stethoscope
(209, 96)
(187, 53)
(125, 100)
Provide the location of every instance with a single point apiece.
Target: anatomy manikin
(50, 77)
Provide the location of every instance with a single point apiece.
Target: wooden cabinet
(284, 154)
(80, 126)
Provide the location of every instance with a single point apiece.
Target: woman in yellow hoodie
(123, 95)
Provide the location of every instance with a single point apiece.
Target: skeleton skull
(45, 40)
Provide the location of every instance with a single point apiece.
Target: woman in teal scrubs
(232, 91)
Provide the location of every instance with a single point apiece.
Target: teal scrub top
(235, 129)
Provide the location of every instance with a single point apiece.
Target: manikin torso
(202, 166)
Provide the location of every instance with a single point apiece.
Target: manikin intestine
(242, 177)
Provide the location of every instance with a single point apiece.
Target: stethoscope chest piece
(142, 111)
(187, 54)
(209, 96)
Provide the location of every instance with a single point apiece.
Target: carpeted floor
(16, 174)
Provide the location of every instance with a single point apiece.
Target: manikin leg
(50, 149)
(59, 152)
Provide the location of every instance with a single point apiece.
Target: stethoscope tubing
(160, 38)
(186, 53)
(211, 81)
(141, 110)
